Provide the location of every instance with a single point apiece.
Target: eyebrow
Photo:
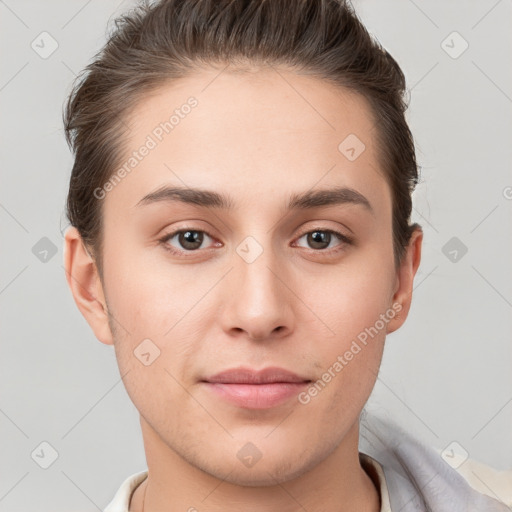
(303, 201)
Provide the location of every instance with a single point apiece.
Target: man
(240, 204)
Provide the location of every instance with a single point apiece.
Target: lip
(256, 389)
(244, 375)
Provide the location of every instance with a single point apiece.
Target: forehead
(259, 134)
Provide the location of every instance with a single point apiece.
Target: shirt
(409, 475)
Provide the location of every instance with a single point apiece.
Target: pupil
(191, 239)
(317, 238)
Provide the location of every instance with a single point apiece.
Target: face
(263, 271)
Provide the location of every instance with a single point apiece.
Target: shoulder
(121, 500)
(487, 480)
(441, 478)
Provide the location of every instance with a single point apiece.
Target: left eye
(321, 238)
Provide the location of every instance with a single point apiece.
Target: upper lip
(245, 375)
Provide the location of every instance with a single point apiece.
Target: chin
(267, 471)
(264, 476)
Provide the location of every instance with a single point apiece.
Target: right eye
(185, 240)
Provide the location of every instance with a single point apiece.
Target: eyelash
(346, 240)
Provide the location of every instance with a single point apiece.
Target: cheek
(349, 300)
(156, 310)
(149, 299)
(348, 361)
(354, 307)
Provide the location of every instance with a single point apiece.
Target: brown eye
(190, 240)
(185, 240)
(321, 239)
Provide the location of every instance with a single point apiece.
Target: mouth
(253, 389)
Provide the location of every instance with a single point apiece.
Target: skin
(256, 139)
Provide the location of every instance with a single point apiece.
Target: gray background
(445, 375)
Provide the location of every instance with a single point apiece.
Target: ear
(402, 296)
(85, 285)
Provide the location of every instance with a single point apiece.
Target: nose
(258, 301)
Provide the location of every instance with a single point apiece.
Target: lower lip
(257, 396)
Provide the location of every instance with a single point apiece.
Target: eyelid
(342, 235)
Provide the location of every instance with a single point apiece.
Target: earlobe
(85, 285)
(405, 279)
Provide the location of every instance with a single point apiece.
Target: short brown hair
(168, 39)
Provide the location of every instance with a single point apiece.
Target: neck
(337, 483)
